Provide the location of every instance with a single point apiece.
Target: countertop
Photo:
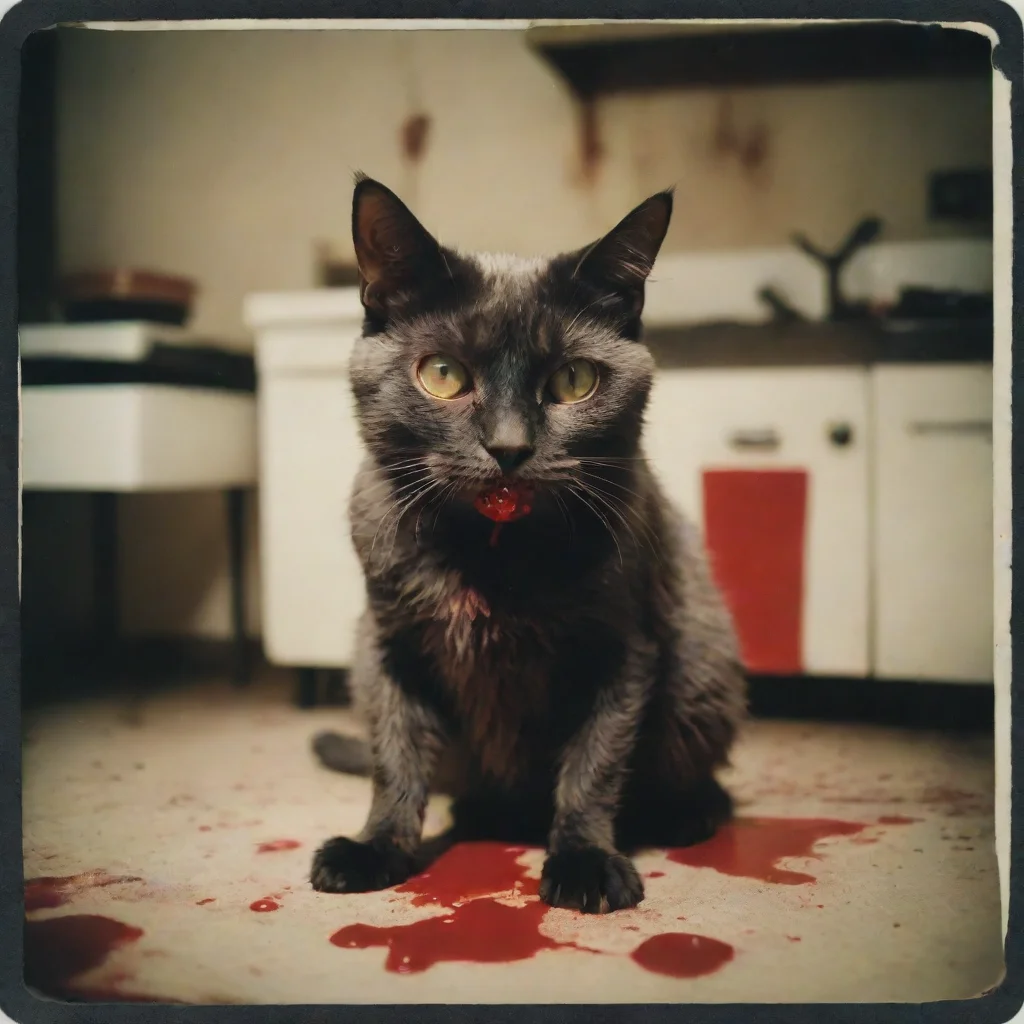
(816, 343)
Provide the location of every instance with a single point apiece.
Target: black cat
(533, 598)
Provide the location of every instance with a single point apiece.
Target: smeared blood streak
(655, 874)
(896, 819)
(202, 903)
(59, 948)
(274, 845)
(264, 906)
(753, 847)
(54, 891)
(680, 955)
(470, 879)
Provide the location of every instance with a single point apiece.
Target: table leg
(236, 546)
(306, 694)
(105, 573)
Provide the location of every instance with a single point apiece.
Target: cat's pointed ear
(398, 259)
(621, 262)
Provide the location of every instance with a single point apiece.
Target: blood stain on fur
(274, 845)
(54, 891)
(681, 955)
(58, 949)
(470, 879)
(264, 906)
(753, 847)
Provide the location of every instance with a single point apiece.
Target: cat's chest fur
(496, 669)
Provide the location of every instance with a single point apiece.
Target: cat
(532, 597)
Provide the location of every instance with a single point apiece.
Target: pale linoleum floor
(168, 838)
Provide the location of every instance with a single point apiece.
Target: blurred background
(822, 304)
(821, 316)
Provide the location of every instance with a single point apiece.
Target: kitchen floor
(168, 839)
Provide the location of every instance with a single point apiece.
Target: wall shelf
(750, 57)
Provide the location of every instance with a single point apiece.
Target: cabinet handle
(969, 427)
(763, 440)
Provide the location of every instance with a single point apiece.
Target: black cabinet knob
(840, 434)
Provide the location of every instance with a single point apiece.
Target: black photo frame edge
(998, 1005)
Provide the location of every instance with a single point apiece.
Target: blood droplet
(274, 845)
(264, 906)
(680, 955)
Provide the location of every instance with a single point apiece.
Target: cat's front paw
(344, 865)
(591, 880)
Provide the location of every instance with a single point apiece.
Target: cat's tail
(346, 754)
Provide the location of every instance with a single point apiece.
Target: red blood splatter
(55, 891)
(680, 955)
(794, 938)
(468, 871)
(205, 828)
(896, 819)
(59, 948)
(753, 847)
(209, 899)
(470, 879)
(655, 874)
(275, 845)
(264, 906)
(481, 931)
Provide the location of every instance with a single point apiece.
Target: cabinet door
(313, 589)
(777, 457)
(933, 587)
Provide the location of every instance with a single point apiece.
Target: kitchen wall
(228, 155)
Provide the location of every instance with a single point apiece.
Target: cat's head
(476, 370)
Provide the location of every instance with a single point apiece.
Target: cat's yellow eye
(573, 382)
(443, 377)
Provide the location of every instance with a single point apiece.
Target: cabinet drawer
(801, 421)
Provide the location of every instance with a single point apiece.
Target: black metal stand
(105, 574)
(236, 554)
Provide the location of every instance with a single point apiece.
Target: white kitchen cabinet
(775, 419)
(310, 450)
(932, 522)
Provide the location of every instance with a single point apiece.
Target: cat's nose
(509, 458)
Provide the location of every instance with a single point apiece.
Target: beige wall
(228, 155)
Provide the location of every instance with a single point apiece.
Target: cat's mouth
(506, 502)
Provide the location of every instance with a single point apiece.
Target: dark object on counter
(782, 311)
(187, 366)
(964, 196)
(127, 294)
(863, 234)
(936, 303)
(334, 271)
